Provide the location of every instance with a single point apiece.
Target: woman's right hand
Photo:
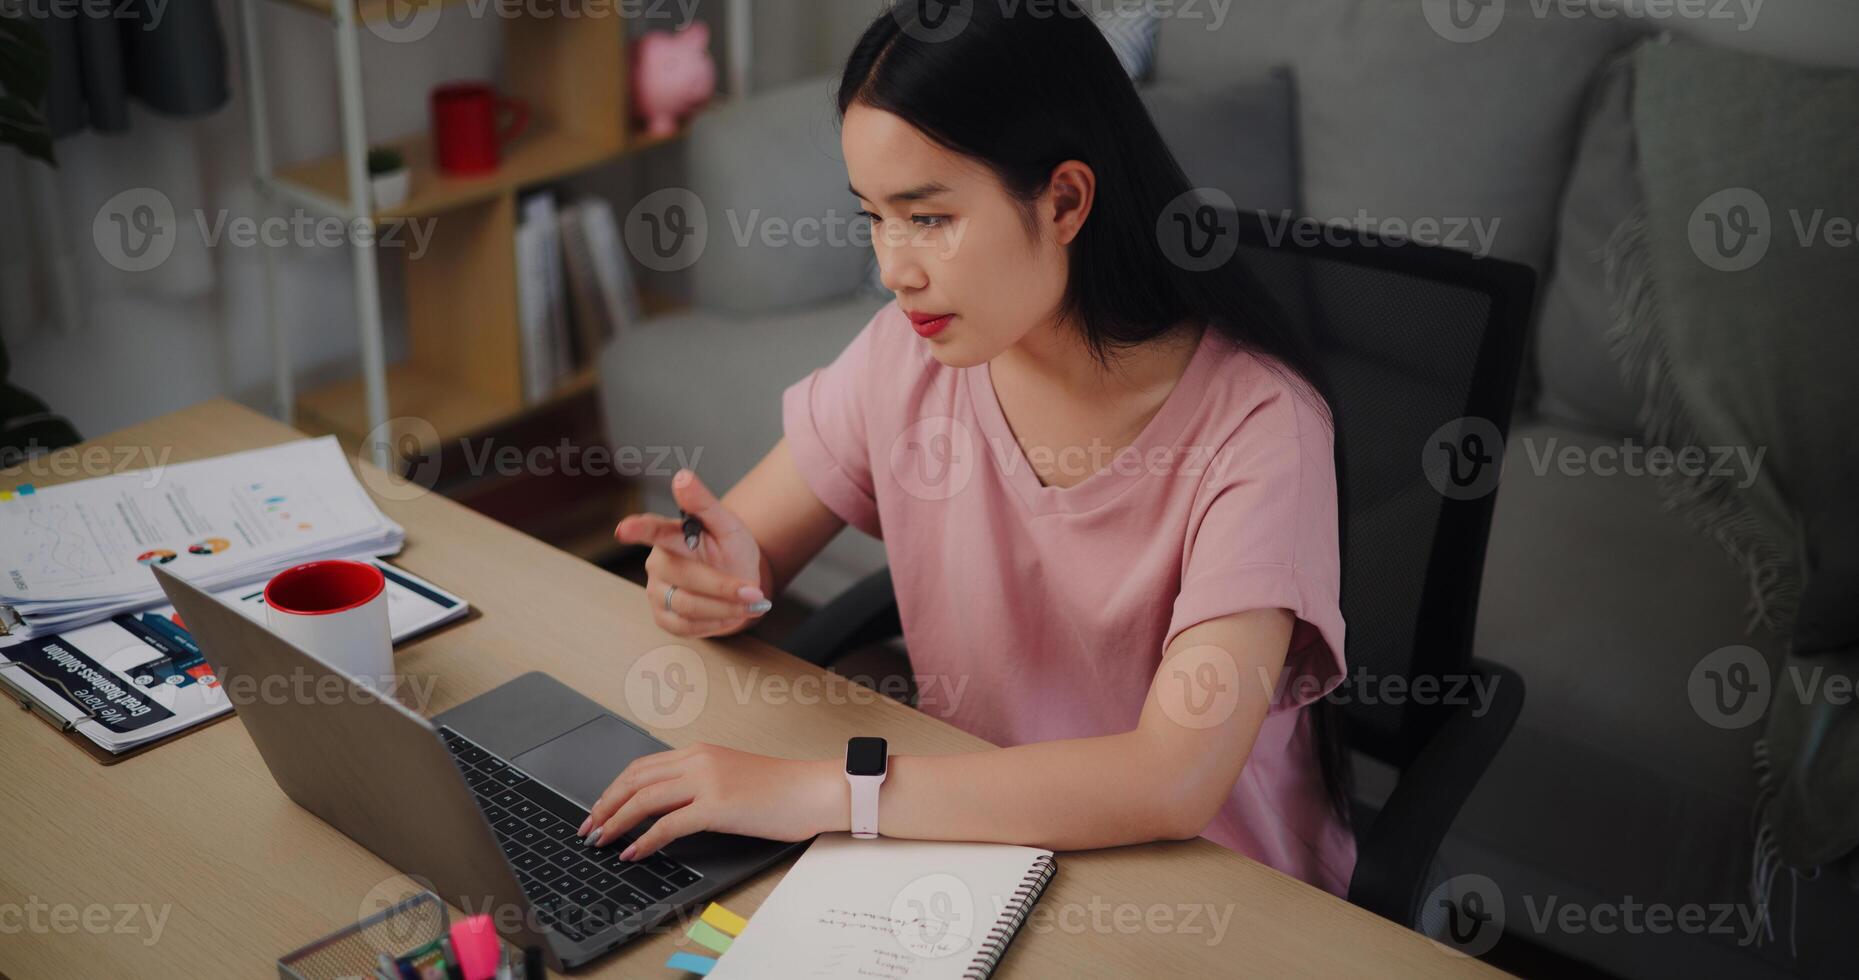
(718, 587)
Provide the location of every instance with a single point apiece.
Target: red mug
(466, 135)
(336, 611)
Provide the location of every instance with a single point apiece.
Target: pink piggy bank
(673, 74)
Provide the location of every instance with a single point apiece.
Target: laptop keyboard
(575, 889)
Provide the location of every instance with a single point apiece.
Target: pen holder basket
(354, 951)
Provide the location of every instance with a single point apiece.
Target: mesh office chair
(1411, 340)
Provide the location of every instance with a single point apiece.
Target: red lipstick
(929, 324)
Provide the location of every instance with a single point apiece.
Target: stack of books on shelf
(575, 288)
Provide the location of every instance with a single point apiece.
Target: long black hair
(1022, 91)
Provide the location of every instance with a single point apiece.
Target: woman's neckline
(1128, 465)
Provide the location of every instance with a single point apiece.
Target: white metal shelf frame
(344, 26)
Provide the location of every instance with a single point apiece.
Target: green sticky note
(710, 937)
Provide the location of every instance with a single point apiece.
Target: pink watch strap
(864, 804)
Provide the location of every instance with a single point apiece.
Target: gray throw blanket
(1738, 315)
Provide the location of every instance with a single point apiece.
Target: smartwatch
(866, 761)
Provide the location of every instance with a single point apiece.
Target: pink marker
(477, 947)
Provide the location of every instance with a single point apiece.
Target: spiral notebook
(902, 909)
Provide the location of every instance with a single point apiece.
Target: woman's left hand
(708, 787)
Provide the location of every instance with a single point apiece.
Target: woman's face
(951, 240)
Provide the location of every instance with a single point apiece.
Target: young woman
(1104, 482)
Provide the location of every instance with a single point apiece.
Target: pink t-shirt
(1035, 612)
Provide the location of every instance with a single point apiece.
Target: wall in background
(152, 342)
(797, 39)
(141, 344)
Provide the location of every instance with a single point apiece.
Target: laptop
(482, 801)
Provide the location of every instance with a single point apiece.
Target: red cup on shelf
(467, 135)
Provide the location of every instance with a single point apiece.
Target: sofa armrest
(782, 229)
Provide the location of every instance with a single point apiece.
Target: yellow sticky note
(710, 937)
(6, 495)
(724, 919)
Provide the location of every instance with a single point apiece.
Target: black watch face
(865, 757)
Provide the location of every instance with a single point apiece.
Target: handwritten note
(889, 909)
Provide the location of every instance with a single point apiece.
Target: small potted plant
(388, 177)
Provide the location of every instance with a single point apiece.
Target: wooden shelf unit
(546, 152)
(453, 412)
(463, 372)
(365, 10)
(462, 375)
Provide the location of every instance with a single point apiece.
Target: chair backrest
(1420, 348)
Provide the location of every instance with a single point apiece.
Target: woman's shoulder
(1250, 394)
(894, 371)
(1267, 425)
(885, 352)
(892, 341)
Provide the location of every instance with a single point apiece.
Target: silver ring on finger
(669, 589)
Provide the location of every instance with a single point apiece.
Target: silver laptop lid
(364, 763)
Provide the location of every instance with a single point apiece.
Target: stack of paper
(78, 553)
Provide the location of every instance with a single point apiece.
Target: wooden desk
(197, 827)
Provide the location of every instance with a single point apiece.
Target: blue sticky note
(27, 489)
(691, 963)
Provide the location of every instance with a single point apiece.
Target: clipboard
(27, 702)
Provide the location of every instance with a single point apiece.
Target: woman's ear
(1068, 197)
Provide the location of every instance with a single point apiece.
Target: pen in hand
(693, 529)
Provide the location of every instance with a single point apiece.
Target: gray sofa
(1612, 793)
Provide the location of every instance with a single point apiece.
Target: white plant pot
(391, 189)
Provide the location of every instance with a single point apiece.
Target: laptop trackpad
(582, 763)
